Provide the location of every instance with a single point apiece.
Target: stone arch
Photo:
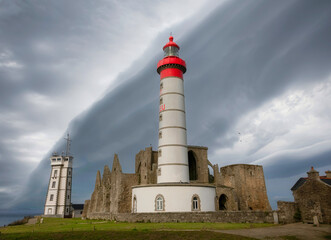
(192, 163)
(222, 202)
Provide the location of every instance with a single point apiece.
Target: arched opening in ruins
(192, 163)
(211, 177)
(222, 202)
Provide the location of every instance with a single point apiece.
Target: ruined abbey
(239, 187)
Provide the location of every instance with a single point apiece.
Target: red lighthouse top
(171, 43)
(171, 65)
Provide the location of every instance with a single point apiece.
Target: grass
(57, 228)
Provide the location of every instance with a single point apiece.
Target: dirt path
(32, 221)
(299, 230)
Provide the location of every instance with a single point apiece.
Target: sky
(257, 87)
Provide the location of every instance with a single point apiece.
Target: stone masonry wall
(249, 185)
(224, 216)
(286, 211)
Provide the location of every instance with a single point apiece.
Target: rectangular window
(51, 197)
(55, 173)
(160, 117)
(53, 184)
(160, 153)
(69, 183)
(161, 101)
(69, 172)
(49, 211)
(160, 134)
(67, 210)
(59, 159)
(161, 86)
(68, 196)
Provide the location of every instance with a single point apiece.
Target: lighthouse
(173, 191)
(172, 149)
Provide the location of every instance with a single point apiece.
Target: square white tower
(58, 198)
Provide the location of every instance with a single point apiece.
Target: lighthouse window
(161, 101)
(53, 184)
(161, 86)
(160, 134)
(55, 173)
(160, 153)
(68, 196)
(69, 173)
(159, 203)
(160, 117)
(171, 51)
(51, 197)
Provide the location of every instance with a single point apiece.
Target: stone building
(238, 187)
(312, 196)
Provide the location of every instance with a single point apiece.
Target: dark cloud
(239, 57)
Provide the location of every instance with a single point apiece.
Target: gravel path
(299, 230)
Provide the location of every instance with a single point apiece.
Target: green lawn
(56, 228)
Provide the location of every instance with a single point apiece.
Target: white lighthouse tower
(172, 157)
(58, 198)
(173, 191)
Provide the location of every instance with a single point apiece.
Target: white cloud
(296, 123)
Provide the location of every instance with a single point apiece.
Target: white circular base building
(173, 198)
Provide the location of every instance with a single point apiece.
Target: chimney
(313, 174)
(328, 174)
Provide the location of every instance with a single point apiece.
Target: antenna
(68, 144)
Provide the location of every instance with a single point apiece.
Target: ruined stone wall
(249, 185)
(228, 216)
(201, 157)
(313, 199)
(125, 192)
(112, 193)
(231, 203)
(286, 211)
(145, 166)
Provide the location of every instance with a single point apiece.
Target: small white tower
(58, 198)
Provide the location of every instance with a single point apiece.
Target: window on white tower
(160, 134)
(55, 173)
(160, 153)
(51, 197)
(159, 203)
(53, 184)
(160, 117)
(49, 211)
(161, 101)
(161, 86)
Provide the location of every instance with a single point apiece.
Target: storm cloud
(258, 90)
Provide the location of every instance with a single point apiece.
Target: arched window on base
(159, 203)
(196, 204)
(134, 207)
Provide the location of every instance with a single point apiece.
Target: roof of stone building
(301, 181)
(78, 206)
